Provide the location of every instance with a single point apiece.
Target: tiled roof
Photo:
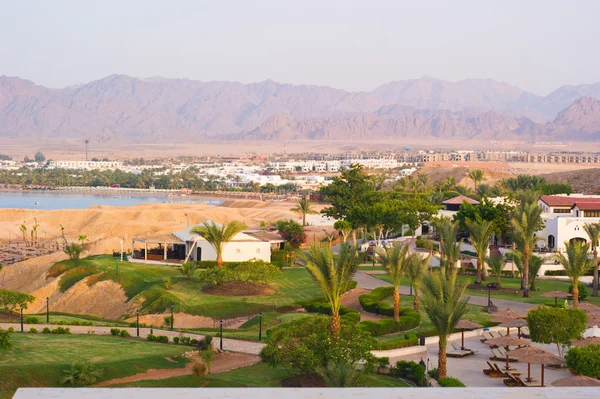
(588, 206)
(459, 200)
(564, 200)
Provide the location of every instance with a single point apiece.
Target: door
(198, 254)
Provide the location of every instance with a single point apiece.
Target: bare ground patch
(239, 288)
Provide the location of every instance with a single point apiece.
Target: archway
(577, 239)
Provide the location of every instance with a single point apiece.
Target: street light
(137, 322)
(47, 310)
(172, 309)
(489, 287)
(377, 309)
(221, 335)
(22, 306)
(122, 242)
(259, 326)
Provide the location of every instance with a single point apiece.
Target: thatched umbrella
(507, 341)
(466, 325)
(593, 320)
(556, 294)
(589, 307)
(586, 341)
(577, 381)
(507, 315)
(542, 358)
(525, 351)
(516, 323)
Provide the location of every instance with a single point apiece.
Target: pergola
(163, 240)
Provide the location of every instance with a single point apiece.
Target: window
(258, 250)
(238, 251)
(592, 214)
(559, 210)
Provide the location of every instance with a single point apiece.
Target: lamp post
(221, 334)
(377, 309)
(172, 309)
(47, 310)
(122, 242)
(411, 290)
(137, 322)
(22, 317)
(259, 326)
(489, 287)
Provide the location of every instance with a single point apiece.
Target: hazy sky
(355, 45)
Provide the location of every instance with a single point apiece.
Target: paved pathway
(369, 282)
(233, 345)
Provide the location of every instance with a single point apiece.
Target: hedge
(320, 305)
(449, 382)
(584, 360)
(372, 302)
(410, 371)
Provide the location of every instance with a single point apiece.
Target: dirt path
(350, 300)
(221, 362)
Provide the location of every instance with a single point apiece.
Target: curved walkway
(369, 282)
(233, 345)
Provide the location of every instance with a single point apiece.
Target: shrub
(46, 330)
(199, 369)
(115, 331)
(176, 340)
(383, 362)
(207, 356)
(11, 329)
(399, 341)
(166, 283)
(81, 373)
(151, 337)
(193, 342)
(61, 330)
(163, 339)
(33, 330)
(433, 373)
(426, 244)
(584, 360)
(583, 292)
(125, 334)
(205, 343)
(351, 317)
(449, 382)
(31, 320)
(5, 339)
(373, 302)
(410, 371)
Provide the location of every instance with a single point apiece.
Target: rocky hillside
(126, 108)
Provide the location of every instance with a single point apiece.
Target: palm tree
(82, 238)
(415, 271)
(395, 260)
(218, 236)
(593, 232)
(188, 269)
(423, 179)
(444, 304)
(449, 246)
(332, 274)
(525, 223)
(496, 264)
(476, 175)
(304, 208)
(81, 373)
(340, 375)
(535, 264)
(480, 236)
(576, 264)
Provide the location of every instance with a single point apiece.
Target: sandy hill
(584, 181)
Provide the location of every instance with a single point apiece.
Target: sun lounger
(503, 353)
(502, 333)
(514, 381)
(497, 372)
(525, 332)
(490, 370)
(486, 335)
(458, 352)
(497, 355)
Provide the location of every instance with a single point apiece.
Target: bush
(31, 320)
(199, 369)
(449, 382)
(205, 343)
(163, 339)
(115, 331)
(33, 330)
(426, 244)
(61, 330)
(4, 339)
(584, 360)
(151, 337)
(46, 330)
(399, 341)
(410, 371)
(11, 329)
(583, 292)
(433, 373)
(351, 317)
(373, 302)
(167, 283)
(176, 340)
(125, 334)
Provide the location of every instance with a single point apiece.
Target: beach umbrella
(525, 351)
(593, 320)
(590, 307)
(516, 323)
(586, 341)
(592, 332)
(556, 294)
(466, 325)
(507, 315)
(541, 358)
(507, 341)
(577, 381)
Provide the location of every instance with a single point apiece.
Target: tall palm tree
(496, 264)
(304, 208)
(449, 246)
(476, 175)
(535, 264)
(415, 271)
(576, 264)
(593, 232)
(444, 304)
(218, 236)
(525, 223)
(332, 274)
(423, 179)
(395, 260)
(480, 236)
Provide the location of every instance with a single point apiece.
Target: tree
(292, 232)
(11, 300)
(593, 232)
(415, 271)
(497, 213)
(218, 236)
(74, 250)
(449, 247)
(549, 325)
(526, 222)
(332, 274)
(82, 238)
(304, 208)
(496, 264)
(476, 175)
(81, 373)
(395, 260)
(39, 157)
(443, 302)
(535, 264)
(344, 228)
(5, 339)
(340, 375)
(188, 269)
(480, 236)
(576, 264)
(353, 187)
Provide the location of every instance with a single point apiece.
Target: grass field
(146, 282)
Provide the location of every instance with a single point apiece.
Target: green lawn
(542, 285)
(38, 359)
(146, 282)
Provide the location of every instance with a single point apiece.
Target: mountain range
(120, 107)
